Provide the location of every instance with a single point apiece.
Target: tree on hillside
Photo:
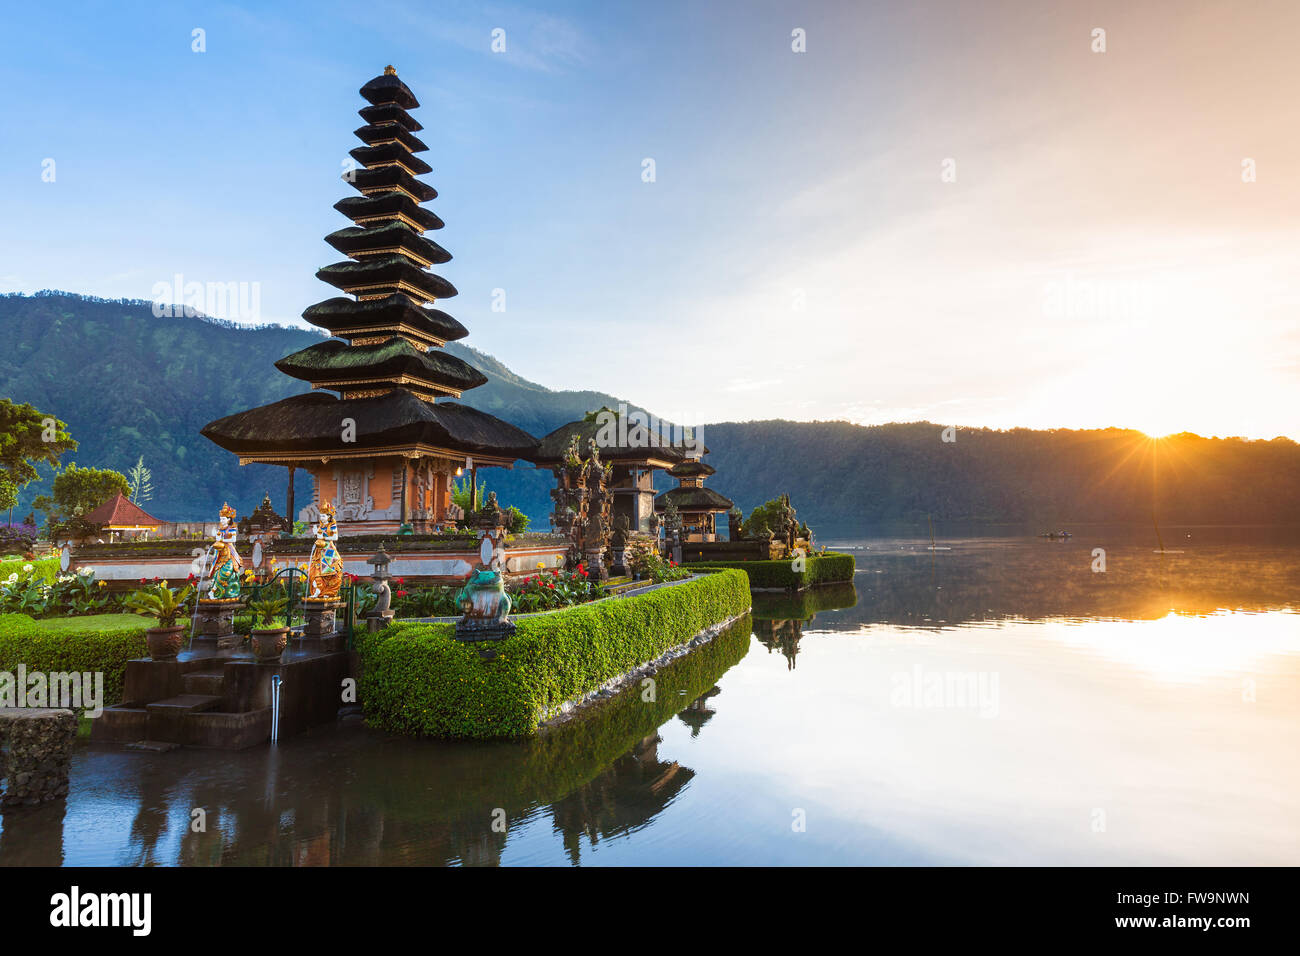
(76, 493)
(8, 496)
(141, 480)
(28, 438)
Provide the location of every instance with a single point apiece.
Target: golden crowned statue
(226, 564)
(325, 571)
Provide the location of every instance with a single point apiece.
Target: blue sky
(1098, 259)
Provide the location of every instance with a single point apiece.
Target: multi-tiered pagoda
(698, 506)
(386, 450)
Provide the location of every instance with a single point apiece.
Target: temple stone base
(377, 622)
(214, 625)
(39, 750)
(319, 618)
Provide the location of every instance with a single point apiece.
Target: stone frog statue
(325, 569)
(483, 599)
(226, 563)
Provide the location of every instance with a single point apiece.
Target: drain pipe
(275, 708)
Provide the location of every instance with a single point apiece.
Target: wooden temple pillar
(288, 499)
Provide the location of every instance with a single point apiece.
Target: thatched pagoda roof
(378, 133)
(387, 206)
(693, 499)
(311, 425)
(387, 179)
(348, 318)
(387, 88)
(387, 272)
(692, 469)
(336, 361)
(392, 236)
(390, 113)
(390, 153)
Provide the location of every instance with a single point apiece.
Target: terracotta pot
(164, 643)
(269, 643)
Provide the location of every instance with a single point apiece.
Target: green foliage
(831, 567)
(417, 679)
(766, 517)
(104, 643)
(8, 494)
(160, 602)
(516, 522)
(460, 494)
(141, 481)
(267, 608)
(76, 493)
(28, 438)
(548, 590)
(43, 568)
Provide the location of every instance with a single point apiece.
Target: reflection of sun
(1179, 648)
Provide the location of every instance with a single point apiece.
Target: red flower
(143, 581)
(400, 580)
(399, 594)
(551, 585)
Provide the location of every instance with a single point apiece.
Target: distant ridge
(130, 384)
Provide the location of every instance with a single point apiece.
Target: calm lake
(998, 702)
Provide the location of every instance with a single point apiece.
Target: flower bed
(418, 679)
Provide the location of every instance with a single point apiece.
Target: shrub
(58, 645)
(17, 538)
(418, 679)
(831, 567)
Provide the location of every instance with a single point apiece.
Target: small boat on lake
(1055, 534)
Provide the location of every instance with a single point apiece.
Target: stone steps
(204, 682)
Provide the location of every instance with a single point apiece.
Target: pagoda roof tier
(396, 361)
(383, 179)
(391, 238)
(387, 88)
(693, 499)
(381, 276)
(390, 113)
(396, 314)
(388, 206)
(390, 154)
(305, 427)
(692, 469)
(638, 445)
(379, 134)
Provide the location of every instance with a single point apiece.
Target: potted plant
(164, 605)
(268, 641)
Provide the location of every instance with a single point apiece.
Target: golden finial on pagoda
(389, 70)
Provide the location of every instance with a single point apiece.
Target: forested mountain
(129, 384)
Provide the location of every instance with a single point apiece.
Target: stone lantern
(378, 617)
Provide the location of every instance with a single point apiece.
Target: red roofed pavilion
(119, 513)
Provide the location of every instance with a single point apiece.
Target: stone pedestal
(40, 747)
(377, 622)
(214, 624)
(596, 565)
(320, 618)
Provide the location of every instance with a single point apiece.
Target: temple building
(698, 506)
(385, 450)
(634, 456)
(120, 515)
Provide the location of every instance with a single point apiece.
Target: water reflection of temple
(699, 712)
(781, 636)
(634, 790)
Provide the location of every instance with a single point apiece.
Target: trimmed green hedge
(829, 568)
(55, 645)
(418, 679)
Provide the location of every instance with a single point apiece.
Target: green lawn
(91, 622)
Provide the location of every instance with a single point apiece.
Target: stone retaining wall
(38, 742)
